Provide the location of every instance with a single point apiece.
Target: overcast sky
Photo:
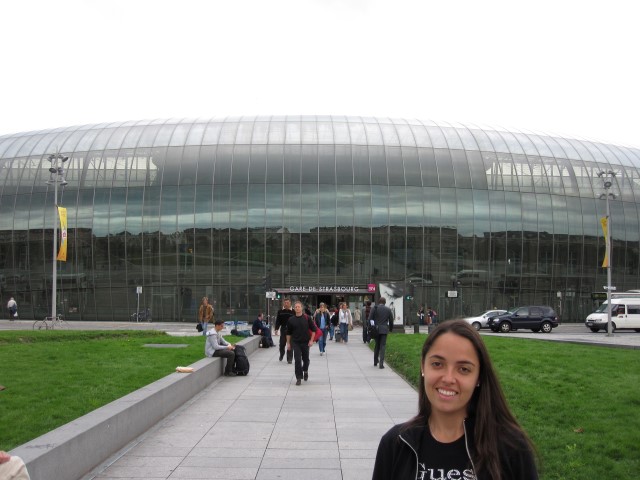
(567, 67)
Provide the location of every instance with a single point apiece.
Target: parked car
(480, 321)
(625, 313)
(537, 318)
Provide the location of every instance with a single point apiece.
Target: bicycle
(143, 316)
(50, 323)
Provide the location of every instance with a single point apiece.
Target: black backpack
(241, 363)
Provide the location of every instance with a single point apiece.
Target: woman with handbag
(205, 315)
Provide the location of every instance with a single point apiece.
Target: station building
(322, 208)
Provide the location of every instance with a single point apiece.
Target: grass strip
(53, 377)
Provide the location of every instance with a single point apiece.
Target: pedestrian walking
(382, 316)
(366, 313)
(346, 321)
(322, 319)
(300, 330)
(13, 309)
(205, 315)
(281, 328)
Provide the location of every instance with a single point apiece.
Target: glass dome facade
(187, 208)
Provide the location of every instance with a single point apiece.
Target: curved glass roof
(322, 149)
(309, 130)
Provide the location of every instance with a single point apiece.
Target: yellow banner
(62, 253)
(605, 229)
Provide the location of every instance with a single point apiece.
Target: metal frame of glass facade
(187, 208)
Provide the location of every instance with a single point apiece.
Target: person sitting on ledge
(216, 346)
(260, 328)
(12, 467)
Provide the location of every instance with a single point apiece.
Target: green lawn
(580, 404)
(53, 377)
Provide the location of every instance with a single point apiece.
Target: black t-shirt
(443, 460)
(298, 328)
(281, 319)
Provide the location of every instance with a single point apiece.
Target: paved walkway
(263, 426)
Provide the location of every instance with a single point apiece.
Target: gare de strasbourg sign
(336, 289)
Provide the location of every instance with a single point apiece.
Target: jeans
(301, 357)
(344, 331)
(205, 325)
(331, 329)
(378, 351)
(322, 343)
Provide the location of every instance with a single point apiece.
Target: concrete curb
(74, 449)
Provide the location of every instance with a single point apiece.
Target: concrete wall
(74, 449)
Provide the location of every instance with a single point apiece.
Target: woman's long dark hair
(488, 405)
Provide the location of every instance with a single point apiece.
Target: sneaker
(305, 375)
(230, 374)
(321, 353)
(298, 382)
(289, 362)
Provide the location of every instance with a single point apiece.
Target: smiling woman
(464, 427)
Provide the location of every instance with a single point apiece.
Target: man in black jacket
(381, 316)
(299, 339)
(281, 326)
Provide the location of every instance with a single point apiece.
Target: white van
(625, 314)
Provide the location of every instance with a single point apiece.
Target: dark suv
(537, 318)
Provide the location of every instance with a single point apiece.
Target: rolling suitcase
(337, 336)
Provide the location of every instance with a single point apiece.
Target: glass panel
(244, 133)
(445, 168)
(428, 167)
(258, 166)
(292, 164)
(412, 173)
(240, 164)
(421, 136)
(453, 140)
(341, 133)
(325, 133)
(275, 164)
(196, 134)
(260, 133)
(461, 169)
(378, 166)
(227, 133)
(405, 136)
(395, 166)
(326, 165)
(309, 134)
(222, 172)
(357, 133)
(389, 135)
(309, 164)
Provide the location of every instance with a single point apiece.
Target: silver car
(480, 321)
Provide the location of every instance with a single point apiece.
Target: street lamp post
(608, 177)
(56, 177)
